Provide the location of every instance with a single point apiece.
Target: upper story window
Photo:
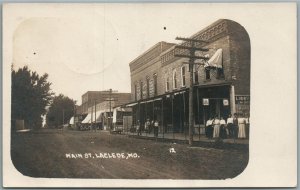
(141, 89)
(174, 79)
(220, 73)
(183, 76)
(135, 92)
(148, 86)
(155, 84)
(207, 74)
(167, 84)
(196, 77)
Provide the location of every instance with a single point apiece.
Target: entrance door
(217, 107)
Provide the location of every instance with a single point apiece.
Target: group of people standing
(236, 126)
(148, 127)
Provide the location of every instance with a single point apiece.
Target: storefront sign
(225, 102)
(242, 99)
(205, 101)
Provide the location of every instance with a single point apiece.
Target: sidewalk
(201, 140)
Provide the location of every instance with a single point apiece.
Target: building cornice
(211, 33)
(149, 55)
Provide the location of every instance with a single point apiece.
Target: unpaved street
(73, 154)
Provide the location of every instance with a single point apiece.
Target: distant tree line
(60, 111)
(32, 98)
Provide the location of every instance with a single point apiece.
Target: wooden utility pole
(110, 99)
(191, 48)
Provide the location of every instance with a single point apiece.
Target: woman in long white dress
(216, 124)
(242, 127)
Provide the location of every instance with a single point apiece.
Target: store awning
(132, 104)
(176, 93)
(157, 99)
(71, 122)
(215, 60)
(98, 115)
(87, 119)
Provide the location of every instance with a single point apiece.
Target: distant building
(91, 97)
(160, 81)
(100, 105)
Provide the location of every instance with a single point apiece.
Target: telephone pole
(191, 48)
(110, 99)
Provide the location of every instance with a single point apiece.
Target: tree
(30, 96)
(60, 111)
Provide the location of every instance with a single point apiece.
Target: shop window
(183, 76)
(174, 79)
(148, 86)
(167, 84)
(155, 84)
(207, 74)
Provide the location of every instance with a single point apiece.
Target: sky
(89, 47)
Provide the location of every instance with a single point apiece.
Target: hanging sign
(205, 101)
(225, 102)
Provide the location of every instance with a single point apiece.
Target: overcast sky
(89, 47)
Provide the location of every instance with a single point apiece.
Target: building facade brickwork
(158, 73)
(91, 97)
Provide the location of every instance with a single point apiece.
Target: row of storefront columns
(232, 99)
(171, 111)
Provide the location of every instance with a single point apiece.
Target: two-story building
(160, 80)
(100, 105)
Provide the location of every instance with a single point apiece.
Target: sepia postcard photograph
(149, 95)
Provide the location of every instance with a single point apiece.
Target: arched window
(183, 76)
(207, 74)
(174, 79)
(141, 89)
(196, 77)
(148, 86)
(155, 84)
(167, 84)
(135, 92)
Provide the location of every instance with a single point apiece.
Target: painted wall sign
(242, 99)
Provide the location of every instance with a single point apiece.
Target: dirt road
(74, 154)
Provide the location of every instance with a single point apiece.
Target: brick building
(91, 97)
(100, 107)
(160, 81)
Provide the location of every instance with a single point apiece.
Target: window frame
(174, 77)
(155, 84)
(183, 76)
(148, 86)
(141, 89)
(167, 84)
